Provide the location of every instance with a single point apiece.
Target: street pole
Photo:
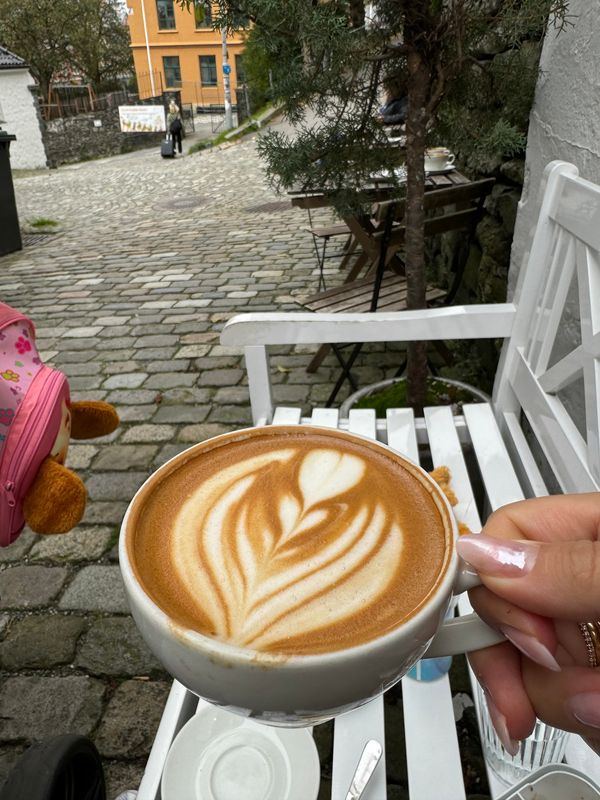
(153, 88)
(226, 82)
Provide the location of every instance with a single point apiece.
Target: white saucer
(220, 756)
(442, 170)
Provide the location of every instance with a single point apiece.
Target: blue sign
(226, 69)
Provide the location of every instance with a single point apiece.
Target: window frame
(216, 79)
(164, 3)
(208, 11)
(177, 83)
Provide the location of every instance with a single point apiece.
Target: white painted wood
(526, 468)
(402, 433)
(259, 383)
(285, 415)
(354, 729)
(180, 706)
(434, 768)
(325, 417)
(499, 478)
(433, 757)
(452, 322)
(363, 422)
(563, 445)
(588, 273)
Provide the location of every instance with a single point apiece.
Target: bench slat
(354, 729)
(325, 417)
(499, 478)
(446, 450)
(434, 768)
(286, 416)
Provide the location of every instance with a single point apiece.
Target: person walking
(175, 125)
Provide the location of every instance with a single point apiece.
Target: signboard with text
(142, 119)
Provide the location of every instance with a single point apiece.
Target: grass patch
(43, 222)
(438, 393)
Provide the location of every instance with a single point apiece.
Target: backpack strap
(8, 315)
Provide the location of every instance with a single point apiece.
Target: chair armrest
(486, 321)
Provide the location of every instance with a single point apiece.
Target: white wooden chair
(526, 421)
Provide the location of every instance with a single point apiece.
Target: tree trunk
(418, 90)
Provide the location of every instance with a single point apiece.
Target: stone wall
(21, 117)
(92, 135)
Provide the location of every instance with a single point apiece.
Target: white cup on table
(438, 158)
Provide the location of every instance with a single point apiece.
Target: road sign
(226, 69)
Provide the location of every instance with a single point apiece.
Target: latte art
(289, 544)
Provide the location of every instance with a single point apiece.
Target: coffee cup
(438, 158)
(292, 573)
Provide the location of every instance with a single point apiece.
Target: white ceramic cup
(293, 691)
(438, 158)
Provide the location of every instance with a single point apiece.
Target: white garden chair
(527, 421)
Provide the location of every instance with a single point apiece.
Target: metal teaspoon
(366, 765)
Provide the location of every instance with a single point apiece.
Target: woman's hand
(539, 561)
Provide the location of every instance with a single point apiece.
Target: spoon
(366, 765)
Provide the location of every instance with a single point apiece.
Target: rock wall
(92, 135)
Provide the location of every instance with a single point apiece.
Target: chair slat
(499, 478)
(446, 450)
(402, 434)
(354, 729)
(325, 417)
(429, 728)
(287, 416)
(181, 705)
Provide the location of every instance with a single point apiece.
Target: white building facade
(19, 113)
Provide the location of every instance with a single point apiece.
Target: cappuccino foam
(290, 543)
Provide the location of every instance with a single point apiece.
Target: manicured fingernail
(585, 707)
(501, 557)
(531, 647)
(499, 722)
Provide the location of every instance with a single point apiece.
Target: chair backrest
(549, 371)
(457, 207)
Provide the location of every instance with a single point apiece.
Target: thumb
(554, 579)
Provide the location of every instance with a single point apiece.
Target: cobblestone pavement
(128, 300)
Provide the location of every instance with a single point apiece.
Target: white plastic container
(555, 782)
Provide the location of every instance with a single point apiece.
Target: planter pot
(375, 388)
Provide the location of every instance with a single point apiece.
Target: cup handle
(463, 634)
(450, 159)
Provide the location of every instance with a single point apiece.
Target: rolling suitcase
(167, 148)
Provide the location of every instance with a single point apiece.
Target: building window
(166, 14)
(203, 14)
(208, 70)
(172, 71)
(240, 72)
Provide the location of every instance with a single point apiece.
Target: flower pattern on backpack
(22, 345)
(9, 375)
(6, 416)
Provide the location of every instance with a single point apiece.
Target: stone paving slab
(129, 302)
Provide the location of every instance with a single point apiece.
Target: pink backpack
(31, 409)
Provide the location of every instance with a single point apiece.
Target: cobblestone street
(128, 300)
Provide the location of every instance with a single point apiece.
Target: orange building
(177, 48)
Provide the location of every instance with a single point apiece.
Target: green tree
(99, 44)
(39, 32)
(335, 64)
(89, 36)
